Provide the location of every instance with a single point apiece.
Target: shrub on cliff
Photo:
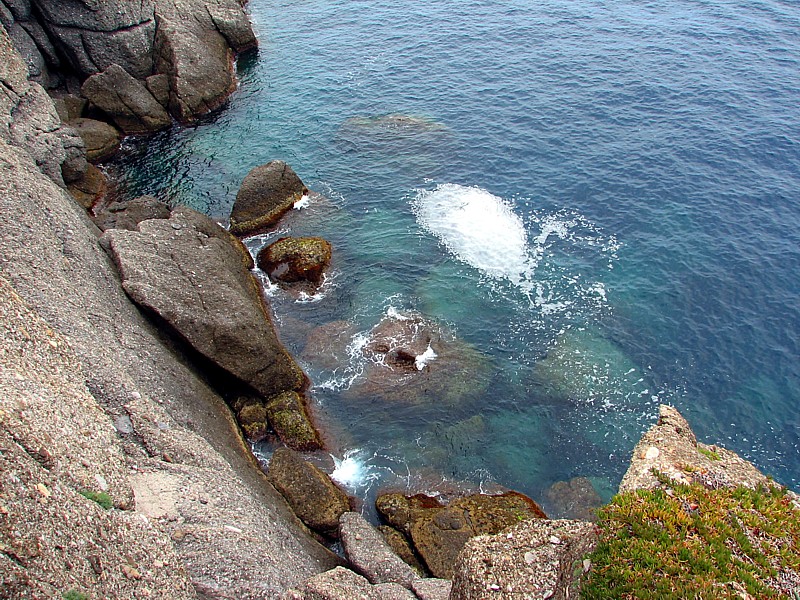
(688, 541)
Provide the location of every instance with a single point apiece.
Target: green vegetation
(74, 595)
(687, 541)
(101, 498)
(709, 454)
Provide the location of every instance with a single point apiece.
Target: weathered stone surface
(90, 188)
(573, 499)
(311, 493)
(199, 66)
(231, 21)
(439, 532)
(266, 194)
(432, 589)
(195, 276)
(288, 416)
(399, 544)
(671, 448)
(290, 260)
(126, 100)
(252, 418)
(336, 584)
(69, 106)
(370, 555)
(100, 139)
(128, 215)
(535, 559)
(158, 85)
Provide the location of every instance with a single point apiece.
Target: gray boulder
(343, 584)
(370, 555)
(311, 493)
(100, 139)
(535, 559)
(195, 276)
(126, 100)
(267, 193)
(128, 215)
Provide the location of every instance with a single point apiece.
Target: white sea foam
(479, 228)
(302, 203)
(425, 358)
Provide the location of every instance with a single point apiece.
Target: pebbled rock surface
(343, 584)
(370, 555)
(267, 193)
(438, 533)
(195, 276)
(535, 559)
(671, 447)
(126, 100)
(311, 493)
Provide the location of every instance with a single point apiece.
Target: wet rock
(126, 100)
(128, 215)
(288, 415)
(399, 544)
(90, 188)
(671, 448)
(293, 260)
(196, 278)
(535, 559)
(313, 496)
(251, 414)
(574, 499)
(370, 555)
(326, 345)
(439, 532)
(266, 194)
(101, 139)
(395, 124)
(413, 360)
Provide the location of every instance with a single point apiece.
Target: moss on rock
(289, 418)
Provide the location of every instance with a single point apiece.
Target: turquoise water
(598, 202)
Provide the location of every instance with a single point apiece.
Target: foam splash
(425, 358)
(302, 203)
(479, 228)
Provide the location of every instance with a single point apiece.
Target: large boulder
(195, 277)
(267, 193)
(310, 492)
(439, 532)
(343, 584)
(126, 100)
(295, 260)
(128, 215)
(100, 139)
(370, 555)
(535, 559)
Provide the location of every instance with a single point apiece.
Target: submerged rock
(288, 415)
(573, 499)
(311, 493)
(535, 559)
(295, 260)
(196, 277)
(438, 533)
(394, 123)
(266, 194)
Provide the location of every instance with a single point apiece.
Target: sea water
(600, 200)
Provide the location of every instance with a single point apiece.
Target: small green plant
(74, 595)
(101, 498)
(687, 541)
(709, 454)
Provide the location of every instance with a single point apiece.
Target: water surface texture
(595, 204)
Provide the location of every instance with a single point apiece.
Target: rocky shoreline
(139, 358)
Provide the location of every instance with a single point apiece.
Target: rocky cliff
(122, 474)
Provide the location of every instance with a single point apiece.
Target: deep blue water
(601, 198)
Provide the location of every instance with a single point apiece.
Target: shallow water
(601, 199)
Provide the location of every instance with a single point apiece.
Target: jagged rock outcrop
(267, 193)
(535, 559)
(195, 277)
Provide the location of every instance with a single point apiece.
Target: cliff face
(94, 401)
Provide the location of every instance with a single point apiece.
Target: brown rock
(266, 194)
(90, 188)
(574, 499)
(438, 533)
(252, 418)
(313, 496)
(399, 543)
(289, 418)
(291, 260)
(535, 559)
(101, 139)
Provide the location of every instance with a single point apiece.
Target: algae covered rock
(310, 492)
(289, 418)
(438, 532)
(251, 414)
(267, 193)
(573, 499)
(292, 260)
